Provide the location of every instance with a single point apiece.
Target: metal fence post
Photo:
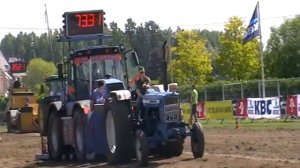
(278, 87)
(223, 92)
(205, 94)
(242, 91)
(259, 89)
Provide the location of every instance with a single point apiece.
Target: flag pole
(49, 33)
(261, 55)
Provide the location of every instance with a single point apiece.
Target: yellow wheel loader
(22, 111)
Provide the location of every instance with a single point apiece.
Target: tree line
(194, 56)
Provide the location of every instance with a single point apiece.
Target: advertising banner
(241, 109)
(218, 109)
(268, 107)
(293, 105)
(201, 110)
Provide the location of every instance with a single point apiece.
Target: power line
(23, 28)
(181, 26)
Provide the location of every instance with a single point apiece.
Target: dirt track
(225, 148)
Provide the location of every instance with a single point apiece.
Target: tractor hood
(155, 97)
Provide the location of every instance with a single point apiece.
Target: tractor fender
(83, 104)
(121, 94)
(57, 105)
(54, 106)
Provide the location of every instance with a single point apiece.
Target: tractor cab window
(55, 88)
(82, 80)
(91, 68)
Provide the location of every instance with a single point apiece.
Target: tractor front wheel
(197, 140)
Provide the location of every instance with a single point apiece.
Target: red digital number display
(84, 23)
(17, 67)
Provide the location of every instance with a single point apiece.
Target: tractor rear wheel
(176, 147)
(79, 135)
(42, 123)
(55, 140)
(172, 148)
(197, 140)
(118, 131)
(141, 148)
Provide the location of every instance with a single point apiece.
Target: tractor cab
(94, 63)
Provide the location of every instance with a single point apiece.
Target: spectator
(194, 102)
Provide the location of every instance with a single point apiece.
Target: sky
(29, 15)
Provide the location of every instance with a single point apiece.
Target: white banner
(268, 107)
(298, 106)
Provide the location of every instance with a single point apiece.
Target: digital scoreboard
(17, 67)
(83, 23)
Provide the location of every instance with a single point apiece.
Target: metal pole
(259, 88)
(205, 94)
(49, 33)
(242, 91)
(278, 88)
(170, 57)
(32, 45)
(261, 56)
(223, 92)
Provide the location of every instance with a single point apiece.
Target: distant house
(5, 78)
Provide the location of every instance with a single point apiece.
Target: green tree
(37, 69)
(192, 64)
(7, 46)
(282, 55)
(237, 61)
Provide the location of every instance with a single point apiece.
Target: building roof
(3, 62)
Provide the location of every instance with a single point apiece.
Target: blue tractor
(160, 128)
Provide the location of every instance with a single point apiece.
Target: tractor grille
(172, 113)
(171, 100)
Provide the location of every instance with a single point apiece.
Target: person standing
(194, 102)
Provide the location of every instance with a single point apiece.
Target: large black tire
(8, 122)
(41, 121)
(79, 135)
(118, 130)
(197, 140)
(54, 136)
(172, 148)
(176, 147)
(141, 147)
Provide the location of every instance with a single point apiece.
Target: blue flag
(253, 28)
